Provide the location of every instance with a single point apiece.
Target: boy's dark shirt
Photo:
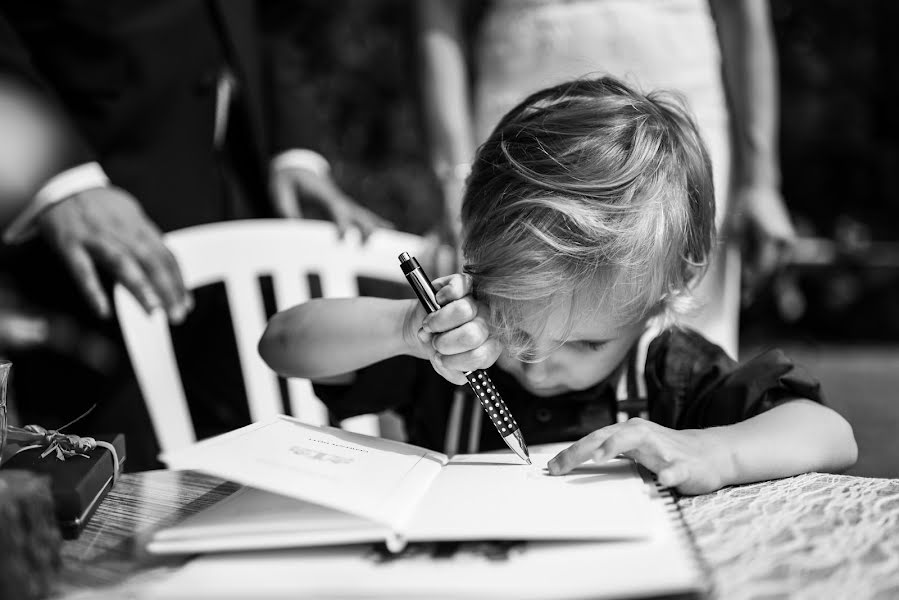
(690, 383)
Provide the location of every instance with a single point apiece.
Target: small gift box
(79, 482)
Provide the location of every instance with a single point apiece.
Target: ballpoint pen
(479, 380)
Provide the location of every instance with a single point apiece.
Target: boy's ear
(693, 273)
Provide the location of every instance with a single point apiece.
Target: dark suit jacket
(136, 81)
(133, 83)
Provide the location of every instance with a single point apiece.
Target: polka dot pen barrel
(479, 380)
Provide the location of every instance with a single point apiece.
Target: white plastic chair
(238, 253)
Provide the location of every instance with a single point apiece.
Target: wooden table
(811, 536)
(109, 551)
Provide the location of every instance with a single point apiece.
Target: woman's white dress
(522, 46)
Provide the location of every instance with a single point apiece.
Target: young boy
(588, 216)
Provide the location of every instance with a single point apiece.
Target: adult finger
(127, 271)
(770, 214)
(580, 452)
(381, 222)
(368, 222)
(164, 275)
(285, 197)
(342, 219)
(174, 269)
(81, 265)
(340, 209)
(766, 258)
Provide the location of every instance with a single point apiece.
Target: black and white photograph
(456, 299)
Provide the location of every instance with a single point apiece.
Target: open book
(309, 485)
(604, 531)
(661, 566)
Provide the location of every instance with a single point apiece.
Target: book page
(366, 476)
(255, 519)
(494, 496)
(660, 566)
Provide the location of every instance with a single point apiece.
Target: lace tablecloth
(811, 536)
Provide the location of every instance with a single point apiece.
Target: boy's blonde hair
(592, 196)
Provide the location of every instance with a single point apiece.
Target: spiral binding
(673, 509)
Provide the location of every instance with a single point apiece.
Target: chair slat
(149, 345)
(248, 316)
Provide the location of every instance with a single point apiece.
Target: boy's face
(596, 346)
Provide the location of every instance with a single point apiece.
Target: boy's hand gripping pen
(479, 380)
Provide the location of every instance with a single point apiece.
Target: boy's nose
(536, 373)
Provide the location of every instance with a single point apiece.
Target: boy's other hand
(695, 461)
(458, 335)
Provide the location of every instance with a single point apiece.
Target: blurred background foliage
(361, 71)
(840, 128)
(839, 145)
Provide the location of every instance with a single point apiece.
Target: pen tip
(404, 257)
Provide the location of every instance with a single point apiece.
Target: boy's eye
(590, 345)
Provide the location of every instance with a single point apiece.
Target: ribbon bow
(65, 445)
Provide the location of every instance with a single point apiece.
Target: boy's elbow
(844, 444)
(851, 449)
(273, 344)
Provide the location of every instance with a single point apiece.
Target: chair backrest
(237, 253)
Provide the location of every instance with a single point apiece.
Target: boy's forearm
(326, 337)
(796, 437)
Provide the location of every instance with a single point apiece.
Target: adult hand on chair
(105, 228)
(763, 225)
(291, 185)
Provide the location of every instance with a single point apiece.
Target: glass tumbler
(5, 367)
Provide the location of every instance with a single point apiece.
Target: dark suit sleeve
(20, 76)
(15, 61)
(289, 100)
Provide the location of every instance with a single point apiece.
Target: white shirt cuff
(300, 158)
(59, 187)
